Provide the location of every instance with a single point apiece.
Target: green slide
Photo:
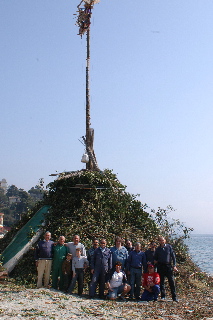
(21, 243)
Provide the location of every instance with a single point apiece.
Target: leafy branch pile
(95, 204)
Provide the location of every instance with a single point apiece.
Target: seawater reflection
(201, 252)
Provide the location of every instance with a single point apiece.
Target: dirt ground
(18, 302)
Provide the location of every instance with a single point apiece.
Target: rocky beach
(18, 302)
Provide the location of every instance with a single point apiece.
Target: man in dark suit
(165, 259)
(101, 263)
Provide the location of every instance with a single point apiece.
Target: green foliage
(91, 204)
(98, 207)
(173, 230)
(1, 267)
(17, 202)
(12, 191)
(31, 233)
(3, 199)
(25, 272)
(95, 204)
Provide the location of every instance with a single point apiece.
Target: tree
(20, 204)
(36, 193)
(12, 191)
(173, 230)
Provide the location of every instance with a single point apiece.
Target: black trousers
(79, 276)
(67, 281)
(166, 270)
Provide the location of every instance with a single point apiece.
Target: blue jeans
(149, 296)
(113, 293)
(98, 278)
(135, 282)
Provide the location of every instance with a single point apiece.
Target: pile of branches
(95, 204)
(92, 204)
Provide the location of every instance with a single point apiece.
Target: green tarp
(22, 238)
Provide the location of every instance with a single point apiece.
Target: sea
(201, 251)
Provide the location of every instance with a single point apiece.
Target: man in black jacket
(165, 259)
(149, 253)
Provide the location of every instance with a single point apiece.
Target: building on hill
(3, 185)
(3, 230)
(14, 199)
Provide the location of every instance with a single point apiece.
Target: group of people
(121, 269)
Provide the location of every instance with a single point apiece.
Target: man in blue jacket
(119, 253)
(101, 263)
(136, 262)
(43, 258)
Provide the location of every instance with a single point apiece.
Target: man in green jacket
(59, 255)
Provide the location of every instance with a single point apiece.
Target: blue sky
(151, 97)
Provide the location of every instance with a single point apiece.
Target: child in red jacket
(151, 281)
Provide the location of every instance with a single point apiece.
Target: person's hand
(92, 271)
(125, 286)
(36, 264)
(175, 269)
(74, 274)
(148, 288)
(109, 287)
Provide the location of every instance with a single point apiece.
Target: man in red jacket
(151, 281)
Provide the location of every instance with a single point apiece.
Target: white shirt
(117, 279)
(79, 262)
(72, 248)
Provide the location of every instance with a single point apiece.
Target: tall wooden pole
(88, 135)
(83, 22)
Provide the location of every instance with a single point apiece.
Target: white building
(14, 199)
(3, 185)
